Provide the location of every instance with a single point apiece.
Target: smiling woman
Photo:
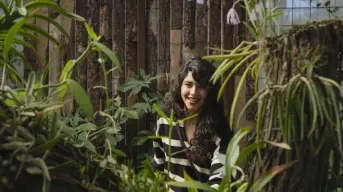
(203, 139)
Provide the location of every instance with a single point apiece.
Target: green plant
(300, 104)
(15, 24)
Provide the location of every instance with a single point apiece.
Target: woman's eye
(188, 85)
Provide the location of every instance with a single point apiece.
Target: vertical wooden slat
(55, 53)
(141, 56)
(214, 27)
(81, 39)
(152, 33)
(42, 43)
(175, 38)
(94, 74)
(163, 41)
(118, 46)
(118, 41)
(227, 43)
(130, 60)
(106, 33)
(30, 55)
(188, 29)
(201, 24)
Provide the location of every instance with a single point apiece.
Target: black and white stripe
(211, 173)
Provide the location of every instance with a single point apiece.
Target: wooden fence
(154, 35)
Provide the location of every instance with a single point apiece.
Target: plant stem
(3, 77)
(10, 4)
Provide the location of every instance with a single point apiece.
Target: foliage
(300, 103)
(15, 24)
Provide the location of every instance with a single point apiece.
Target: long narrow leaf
(5, 8)
(31, 81)
(42, 32)
(313, 104)
(232, 72)
(53, 22)
(11, 35)
(81, 97)
(192, 184)
(110, 54)
(265, 179)
(52, 5)
(230, 152)
(240, 84)
(91, 32)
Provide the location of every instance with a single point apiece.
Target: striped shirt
(211, 172)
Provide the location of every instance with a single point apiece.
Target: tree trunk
(284, 58)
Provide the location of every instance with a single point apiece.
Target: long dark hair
(211, 120)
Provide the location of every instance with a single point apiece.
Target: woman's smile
(193, 94)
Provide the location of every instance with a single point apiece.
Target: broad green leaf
(110, 54)
(53, 6)
(81, 98)
(91, 32)
(192, 184)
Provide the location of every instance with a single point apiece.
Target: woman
(205, 137)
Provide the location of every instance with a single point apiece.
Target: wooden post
(118, 46)
(163, 40)
(175, 38)
(81, 39)
(188, 30)
(131, 60)
(227, 43)
(201, 24)
(94, 72)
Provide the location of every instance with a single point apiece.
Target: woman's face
(193, 95)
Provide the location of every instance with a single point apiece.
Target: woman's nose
(194, 90)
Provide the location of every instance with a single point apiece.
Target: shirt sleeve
(217, 164)
(218, 160)
(159, 155)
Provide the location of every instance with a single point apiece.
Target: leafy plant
(15, 24)
(300, 104)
